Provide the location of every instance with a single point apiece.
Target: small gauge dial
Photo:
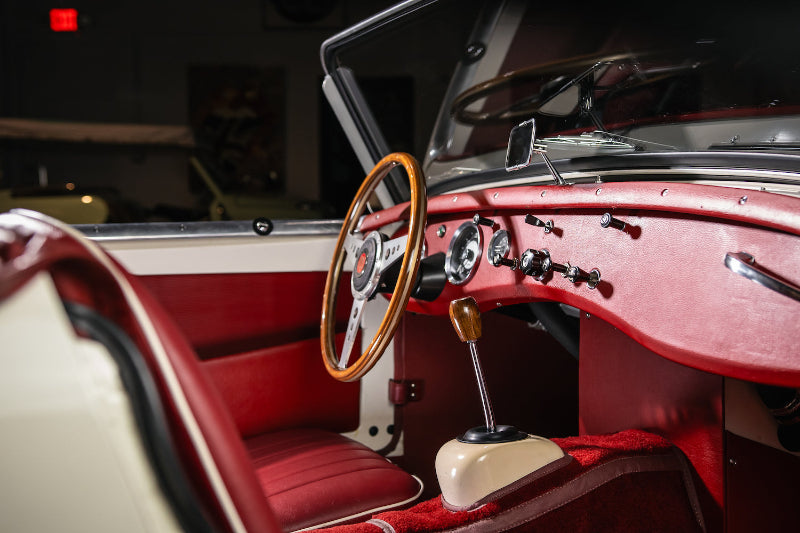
(463, 253)
(499, 246)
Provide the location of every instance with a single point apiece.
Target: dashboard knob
(608, 221)
(533, 221)
(498, 260)
(562, 269)
(535, 263)
(481, 221)
(576, 275)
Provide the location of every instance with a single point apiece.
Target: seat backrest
(209, 448)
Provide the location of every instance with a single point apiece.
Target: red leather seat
(280, 481)
(312, 477)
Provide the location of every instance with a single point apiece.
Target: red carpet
(628, 481)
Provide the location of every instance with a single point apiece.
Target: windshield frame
(351, 108)
(717, 165)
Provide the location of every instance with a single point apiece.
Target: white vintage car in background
(571, 304)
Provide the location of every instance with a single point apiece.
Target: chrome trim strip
(195, 230)
(723, 174)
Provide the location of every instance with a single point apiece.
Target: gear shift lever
(466, 319)
(475, 467)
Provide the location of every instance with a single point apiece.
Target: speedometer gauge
(463, 253)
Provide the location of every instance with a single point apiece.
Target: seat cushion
(313, 477)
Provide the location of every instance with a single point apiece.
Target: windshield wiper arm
(789, 146)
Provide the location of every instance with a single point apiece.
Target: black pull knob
(562, 269)
(498, 260)
(576, 275)
(481, 221)
(607, 220)
(533, 221)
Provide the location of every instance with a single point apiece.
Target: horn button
(366, 271)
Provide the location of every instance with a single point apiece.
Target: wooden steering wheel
(374, 254)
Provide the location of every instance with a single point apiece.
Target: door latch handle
(745, 265)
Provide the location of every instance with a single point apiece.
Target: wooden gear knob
(466, 318)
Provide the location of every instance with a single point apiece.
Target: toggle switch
(533, 221)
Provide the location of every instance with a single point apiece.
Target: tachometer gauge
(498, 248)
(463, 253)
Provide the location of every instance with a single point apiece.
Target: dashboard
(649, 258)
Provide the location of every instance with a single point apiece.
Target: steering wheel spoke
(352, 244)
(393, 250)
(353, 324)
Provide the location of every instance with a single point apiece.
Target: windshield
(597, 83)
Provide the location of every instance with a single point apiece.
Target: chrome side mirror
(521, 147)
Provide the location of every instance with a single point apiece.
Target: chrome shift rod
(488, 414)
(466, 319)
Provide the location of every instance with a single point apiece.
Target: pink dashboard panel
(663, 279)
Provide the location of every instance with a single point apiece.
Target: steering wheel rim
(516, 111)
(412, 252)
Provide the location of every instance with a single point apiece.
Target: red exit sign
(64, 19)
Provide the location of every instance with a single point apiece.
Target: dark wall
(129, 63)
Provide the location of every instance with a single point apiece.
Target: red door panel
(284, 386)
(258, 335)
(223, 314)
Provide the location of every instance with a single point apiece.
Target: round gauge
(463, 253)
(499, 246)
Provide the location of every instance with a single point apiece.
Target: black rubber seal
(148, 412)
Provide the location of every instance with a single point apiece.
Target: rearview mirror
(520, 145)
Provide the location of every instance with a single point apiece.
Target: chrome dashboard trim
(660, 166)
(713, 176)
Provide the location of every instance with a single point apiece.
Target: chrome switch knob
(535, 263)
